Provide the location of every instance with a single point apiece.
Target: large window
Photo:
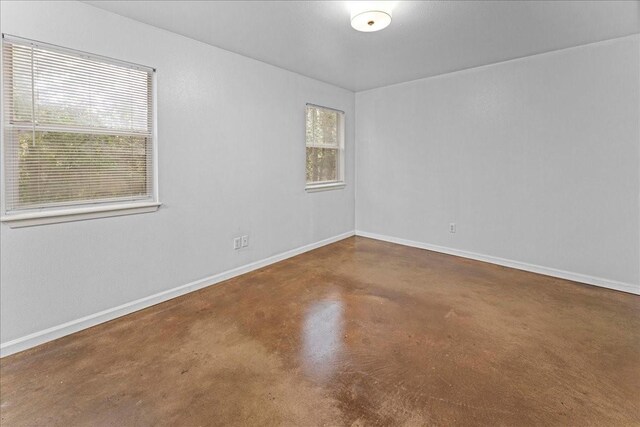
(78, 133)
(325, 148)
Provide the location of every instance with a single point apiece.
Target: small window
(325, 148)
(78, 132)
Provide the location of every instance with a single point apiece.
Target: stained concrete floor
(356, 333)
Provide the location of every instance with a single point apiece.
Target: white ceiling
(425, 38)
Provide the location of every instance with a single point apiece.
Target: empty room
(320, 213)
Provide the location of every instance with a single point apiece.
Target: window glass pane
(58, 167)
(322, 127)
(83, 93)
(322, 164)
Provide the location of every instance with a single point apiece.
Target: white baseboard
(547, 271)
(41, 337)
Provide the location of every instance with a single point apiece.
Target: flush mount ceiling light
(371, 20)
(370, 16)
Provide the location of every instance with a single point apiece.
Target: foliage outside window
(78, 129)
(325, 146)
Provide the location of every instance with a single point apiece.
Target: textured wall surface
(535, 160)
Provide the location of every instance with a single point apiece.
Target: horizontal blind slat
(78, 130)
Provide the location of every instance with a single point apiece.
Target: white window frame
(83, 211)
(340, 182)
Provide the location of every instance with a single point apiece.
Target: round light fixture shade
(371, 20)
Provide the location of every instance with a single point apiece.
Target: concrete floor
(357, 333)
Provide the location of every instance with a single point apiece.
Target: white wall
(231, 162)
(535, 159)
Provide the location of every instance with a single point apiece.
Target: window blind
(78, 128)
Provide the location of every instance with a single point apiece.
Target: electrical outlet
(245, 241)
(237, 243)
(452, 227)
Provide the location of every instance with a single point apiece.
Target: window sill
(77, 214)
(312, 188)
